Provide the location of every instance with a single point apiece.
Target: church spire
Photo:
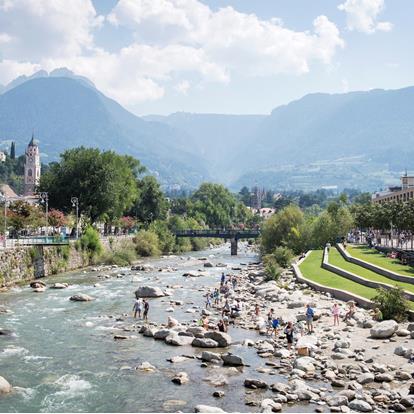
(32, 143)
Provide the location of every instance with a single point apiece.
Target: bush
(392, 303)
(90, 242)
(123, 257)
(147, 243)
(271, 267)
(283, 256)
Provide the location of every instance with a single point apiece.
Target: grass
(336, 259)
(312, 270)
(378, 259)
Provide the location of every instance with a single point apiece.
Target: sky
(212, 56)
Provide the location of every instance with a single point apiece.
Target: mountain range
(359, 139)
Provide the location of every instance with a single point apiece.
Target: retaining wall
(358, 279)
(377, 269)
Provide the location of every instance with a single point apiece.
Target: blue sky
(222, 56)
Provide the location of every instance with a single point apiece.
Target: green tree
(392, 303)
(104, 182)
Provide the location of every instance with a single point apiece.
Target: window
(29, 173)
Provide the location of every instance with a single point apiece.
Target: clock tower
(31, 168)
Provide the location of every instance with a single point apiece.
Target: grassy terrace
(336, 259)
(378, 259)
(311, 269)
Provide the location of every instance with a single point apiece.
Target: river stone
(146, 366)
(221, 338)
(282, 353)
(232, 360)
(59, 286)
(384, 329)
(208, 264)
(255, 383)
(400, 350)
(6, 332)
(383, 377)
(337, 400)
(197, 331)
(161, 333)
(37, 284)
(149, 331)
(207, 409)
(171, 323)
(81, 297)
(39, 289)
(209, 356)
(217, 380)
(360, 405)
(149, 292)
(204, 343)
(178, 340)
(305, 364)
(5, 387)
(181, 378)
(269, 406)
(403, 332)
(366, 378)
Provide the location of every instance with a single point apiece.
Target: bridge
(228, 234)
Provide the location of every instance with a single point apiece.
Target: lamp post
(45, 198)
(75, 203)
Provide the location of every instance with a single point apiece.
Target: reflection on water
(63, 356)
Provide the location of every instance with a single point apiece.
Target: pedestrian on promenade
(137, 308)
(146, 310)
(335, 313)
(310, 313)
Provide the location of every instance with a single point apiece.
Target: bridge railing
(210, 232)
(39, 240)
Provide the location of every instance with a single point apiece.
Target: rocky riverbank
(358, 366)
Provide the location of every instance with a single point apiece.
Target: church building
(31, 168)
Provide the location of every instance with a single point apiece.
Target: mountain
(214, 137)
(68, 112)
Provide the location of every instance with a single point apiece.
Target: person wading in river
(146, 309)
(137, 308)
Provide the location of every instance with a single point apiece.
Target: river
(63, 358)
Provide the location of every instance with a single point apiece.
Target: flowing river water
(63, 357)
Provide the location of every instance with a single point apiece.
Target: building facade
(31, 168)
(402, 193)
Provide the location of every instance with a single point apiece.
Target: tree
(13, 150)
(104, 182)
(151, 204)
(392, 303)
(245, 196)
(57, 218)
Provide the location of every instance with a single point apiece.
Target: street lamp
(45, 198)
(75, 203)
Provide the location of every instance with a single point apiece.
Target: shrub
(90, 242)
(392, 303)
(283, 256)
(147, 243)
(123, 255)
(271, 267)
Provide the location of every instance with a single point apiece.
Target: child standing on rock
(289, 330)
(310, 313)
(335, 313)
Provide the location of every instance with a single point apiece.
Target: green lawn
(378, 259)
(336, 259)
(312, 270)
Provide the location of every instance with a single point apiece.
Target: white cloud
(362, 15)
(172, 40)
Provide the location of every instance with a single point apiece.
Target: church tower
(31, 168)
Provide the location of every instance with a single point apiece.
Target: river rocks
(178, 340)
(232, 360)
(360, 405)
(255, 383)
(383, 377)
(6, 332)
(171, 322)
(59, 286)
(142, 268)
(305, 364)
(204, 343)
(218, 394)
(337, 400)
(210, 356)
(149, 292)
(120, 337)
(180, 378)
(149, 331)
(217, 380)
(161, 333)
(81, 297)
(197, 331)
(269, 406)
(39, 289)
(192, 274)
(221, 338)
(403, 332)
(366, 378)
(384, 329)
(296, 304)
(5, 387)
(208, 264)
(207, 409)
(37, 284)
(282, 353)
(146, 366)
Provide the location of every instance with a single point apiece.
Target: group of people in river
(141, 306)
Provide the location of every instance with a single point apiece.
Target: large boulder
(384, 329)
(197, 331)
(5, 387)
(221, 338)
(178, 340)
(305, 364)
(204, 343)
(81, 297)
(360, 405)
(149, 292)
(232, 360)
(162, 333)
(59, 286)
